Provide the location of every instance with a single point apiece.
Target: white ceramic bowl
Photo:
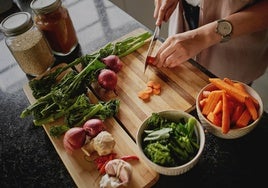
(174, 115)
(233, 133)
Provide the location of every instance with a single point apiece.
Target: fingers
(159, 12)
(163, 10)
(170, 56)
(157, 4)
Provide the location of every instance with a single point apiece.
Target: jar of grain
(27, 43)
(55, 22)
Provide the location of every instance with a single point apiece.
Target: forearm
(249, 20)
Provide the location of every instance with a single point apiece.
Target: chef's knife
(149, 56)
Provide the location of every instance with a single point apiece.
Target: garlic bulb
(103, 144)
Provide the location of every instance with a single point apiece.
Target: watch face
(224, 28)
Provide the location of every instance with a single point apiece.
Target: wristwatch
(224, 28)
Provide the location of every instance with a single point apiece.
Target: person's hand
(163, 10)
(179, 48)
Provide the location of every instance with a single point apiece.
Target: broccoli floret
(159, 154)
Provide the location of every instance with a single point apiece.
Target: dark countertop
(28, 158)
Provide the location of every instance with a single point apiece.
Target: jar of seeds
(27, 43)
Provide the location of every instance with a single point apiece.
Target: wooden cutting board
(179, 88)
(84, 171)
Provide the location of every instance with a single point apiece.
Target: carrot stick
(225, 115)
(218, 107)
(237, 113)
(156, 91)
(214, 118)
(244, 119)
(212, 101)
(144, 95)
(242, 88)
(202, 102)
(205, 94)
(230, 90)
(228, 81)
(251, 108)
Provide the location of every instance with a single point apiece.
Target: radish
(93, 127)
(74, 139)
(113, 62)
(107, 79)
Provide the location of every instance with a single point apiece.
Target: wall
(141, 10)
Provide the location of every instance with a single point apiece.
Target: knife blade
(149, 56)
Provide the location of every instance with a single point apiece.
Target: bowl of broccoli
(171, 142)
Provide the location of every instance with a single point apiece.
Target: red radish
(93, 127)
(107, 79)
(113, 62)
(74, 139)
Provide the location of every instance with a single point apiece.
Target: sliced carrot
(244, 119)
(156, 91)
(153, 84)
(214, 118)
(212, 101)
(149, 90)
(230, 90)
(150, 83)
(218, 107)
(144, 95)
(251, 108)
(225, 115)
(153, 88)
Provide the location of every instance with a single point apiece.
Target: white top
(193, 2)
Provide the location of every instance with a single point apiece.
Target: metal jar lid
(16, 23)
(44, 6)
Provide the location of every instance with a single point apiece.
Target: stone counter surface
(28, 158)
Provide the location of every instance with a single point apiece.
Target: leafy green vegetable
(66, 98)
(54, 104)
(158, 134)
(165, 138)
(58, 130)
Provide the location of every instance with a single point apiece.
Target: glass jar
(27, 43)
(54, 20)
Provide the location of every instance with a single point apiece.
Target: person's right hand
(163, 10)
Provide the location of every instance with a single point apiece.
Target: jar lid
(44, 6)
(16, 23)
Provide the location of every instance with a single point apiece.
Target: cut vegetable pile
(229, 105)
(152, 88)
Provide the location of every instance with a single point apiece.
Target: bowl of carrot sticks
(228, 109)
